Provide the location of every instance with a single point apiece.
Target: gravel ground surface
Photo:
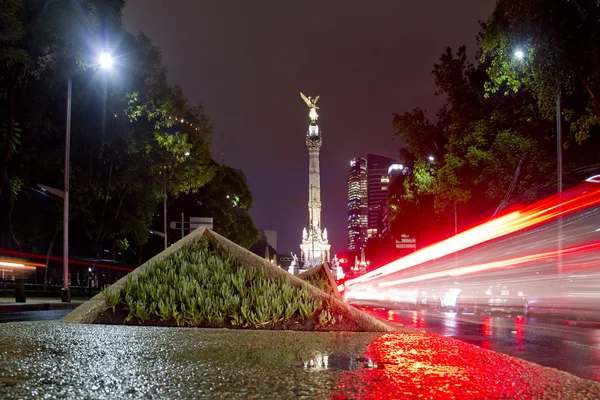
(49, 359)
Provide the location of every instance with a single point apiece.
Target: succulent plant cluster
(320, 281)
(197, 286)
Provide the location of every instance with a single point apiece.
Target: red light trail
(576, 199)
(59, 259)
(512, 262)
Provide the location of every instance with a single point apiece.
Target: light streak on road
(508, 263)
(579, 198)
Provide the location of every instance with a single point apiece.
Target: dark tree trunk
(7, 197)
(98, 249)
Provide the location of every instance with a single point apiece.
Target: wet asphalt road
(32, 315)
(551, 343)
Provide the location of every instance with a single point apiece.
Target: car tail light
(488, 292)
(520, 294)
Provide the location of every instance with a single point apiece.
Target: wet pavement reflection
(560, 344)
(49, 359)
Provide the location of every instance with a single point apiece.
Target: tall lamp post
(105, 61)
(520, 55)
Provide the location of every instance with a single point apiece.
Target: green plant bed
(199, 286)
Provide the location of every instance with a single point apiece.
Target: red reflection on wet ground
(430, 366)
(415, 319)
(390, 315)
(487, 326)
(519, 321)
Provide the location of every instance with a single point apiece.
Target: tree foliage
(497, 128)
(492, 154)
(227, 199)
(135, 138)
(560, 44)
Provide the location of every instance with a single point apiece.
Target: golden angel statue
(312, 105)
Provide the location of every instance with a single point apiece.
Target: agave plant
(112, 296)
(164, 309)
(198, 285)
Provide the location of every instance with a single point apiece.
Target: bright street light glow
(519, 54)
(187, 153)
(105, 60)
(431, 158)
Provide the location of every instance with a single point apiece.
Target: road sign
(177, 225)
(195, 223)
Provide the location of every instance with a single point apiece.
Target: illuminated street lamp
(431, 158)
(519, 54)
(105, 61)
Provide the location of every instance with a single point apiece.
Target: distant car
(493, 298)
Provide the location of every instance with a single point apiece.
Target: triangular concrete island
(321, 278)
(205, 280)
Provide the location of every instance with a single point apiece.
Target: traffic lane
(572, 349)
(41, 315)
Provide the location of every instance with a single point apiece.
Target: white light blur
(519, 54)
(594, 179)
(105, 60)
(395, 167)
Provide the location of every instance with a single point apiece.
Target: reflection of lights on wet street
(487, 326)
(318, 362)
(418, 320)
(450, 325)
(574, 348)
(519, 321)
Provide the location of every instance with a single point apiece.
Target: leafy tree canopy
(134, 137)
(547, 47)
(484, 152)
(227, 199)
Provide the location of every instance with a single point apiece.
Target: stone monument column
(315, 245)
(313, 143)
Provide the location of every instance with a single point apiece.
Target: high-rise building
(357, 204)
(315, 245)
(377, 191)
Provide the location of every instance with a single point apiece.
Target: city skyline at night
(228, 58)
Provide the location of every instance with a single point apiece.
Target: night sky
(246, 62)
